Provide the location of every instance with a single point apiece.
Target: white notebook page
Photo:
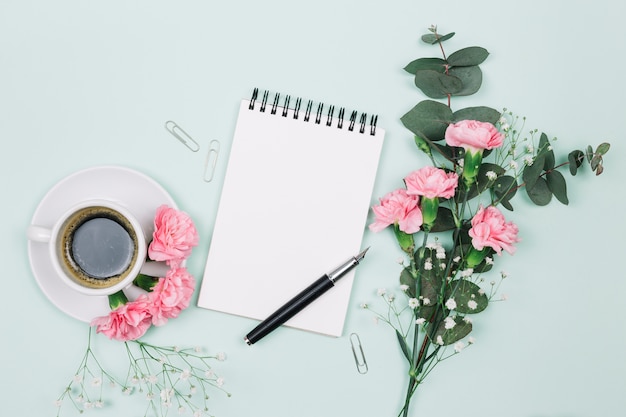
(294, 206)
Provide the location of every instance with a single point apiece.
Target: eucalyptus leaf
(436, 85)
(546, 151)
(603, 148)
(471, 79)
(575, 159)
(470, 56)
(428, 119)
(407, 278)
(431, 283)
(505, 188)
(595, 162)
(558, 186)
(469, 297)
(532, 172)
(434, 64)
(480, 113)
(432, 39)
(444, 220)
(539, 194)
(449, 336)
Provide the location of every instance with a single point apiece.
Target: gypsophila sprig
(446, 216)
(166, 377)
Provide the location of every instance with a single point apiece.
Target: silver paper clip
(182, 136)
(211, 160)
(357, 351)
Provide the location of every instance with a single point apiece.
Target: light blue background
(86, 83)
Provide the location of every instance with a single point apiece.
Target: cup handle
(132, 292)
(155, 269)
(38, 233)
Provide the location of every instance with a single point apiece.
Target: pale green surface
(89, 83)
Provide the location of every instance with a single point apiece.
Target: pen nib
(362, 254)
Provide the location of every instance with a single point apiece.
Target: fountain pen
(303, 299)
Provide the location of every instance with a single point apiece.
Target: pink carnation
(171, 295)
(397, 207)
(174, 236)
(473, 135)
(489, 229)
(431, 182)
(129, 321)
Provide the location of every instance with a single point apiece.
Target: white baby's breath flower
(420, 321)
(471, 340)
(428, 265)
(450, 304)
(439, 340)
(491, 175)
(458, 347)
(528, 160)
(449, 323)
(221, 356)
(404, 287)
(440, 254)
(426, 301)
(381, 291)
(513, 165)
(489, 260)
(467, 272)
(219, 381)
(504, 297)
(96, 382)
(413, 303)
(209, 373)
(472, 304)
(467, 320)
(185, 374)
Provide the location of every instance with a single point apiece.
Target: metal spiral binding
(352, 121)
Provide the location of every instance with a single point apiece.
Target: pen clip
(357, 351)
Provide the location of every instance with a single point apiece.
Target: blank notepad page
(294, 206)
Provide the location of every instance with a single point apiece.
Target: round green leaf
(428, 119)
(449, 336)
(471, 79)
(480, 113)
(532, 172)
(468, 297)
(444, 220)
(504, 188)
(432, 39)
(540, 193)
(603, 148)
(557, 185)
(437, 85)
(546, 151)
(473, 55)
(435, 64)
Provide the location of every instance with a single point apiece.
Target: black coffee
(102, 248)
(98, 247)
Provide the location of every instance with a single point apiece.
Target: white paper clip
(182, 136)
(357, 351)
(211, 160)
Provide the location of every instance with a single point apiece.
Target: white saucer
(139, 193)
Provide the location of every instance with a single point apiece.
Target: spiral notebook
(294, 206)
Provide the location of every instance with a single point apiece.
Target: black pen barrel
(290, 309)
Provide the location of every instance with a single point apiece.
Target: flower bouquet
(166, 376)
(447, 217)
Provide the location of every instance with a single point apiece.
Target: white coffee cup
(97, 247)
